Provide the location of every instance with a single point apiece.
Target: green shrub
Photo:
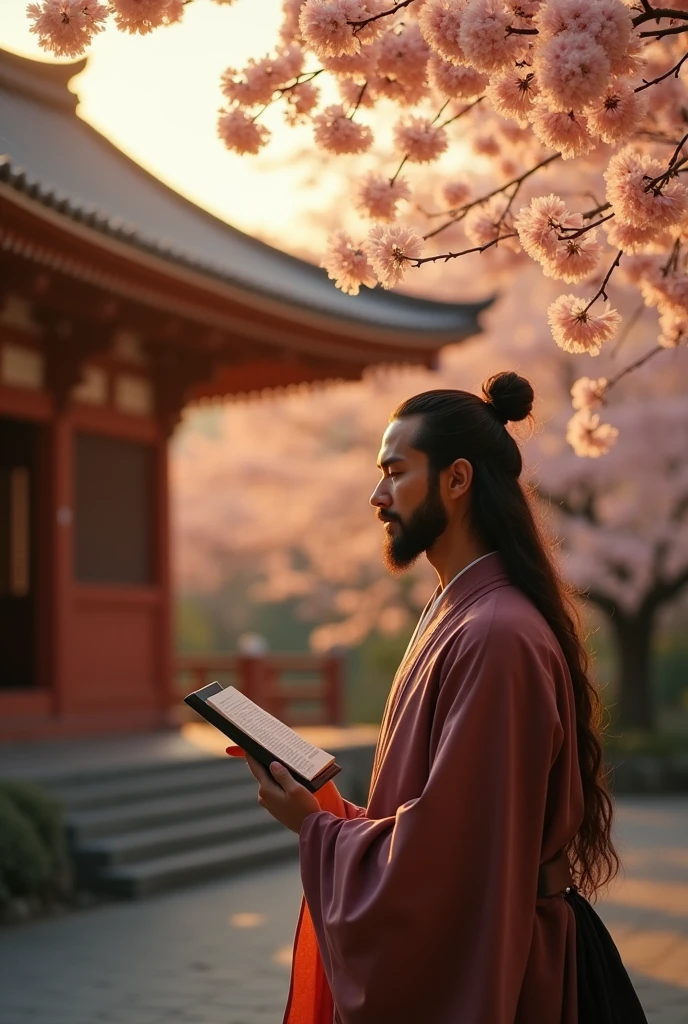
(34, 861)
(25, 865)
(46, 815)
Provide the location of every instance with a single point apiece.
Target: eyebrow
(389, 461)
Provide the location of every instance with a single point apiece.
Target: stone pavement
(219, 954)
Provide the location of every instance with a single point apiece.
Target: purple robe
(425, 905)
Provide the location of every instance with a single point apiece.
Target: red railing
(276, 682)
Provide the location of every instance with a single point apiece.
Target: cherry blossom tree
(575, 112)
(282, 486)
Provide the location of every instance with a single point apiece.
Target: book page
(275, 736)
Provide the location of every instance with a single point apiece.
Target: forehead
(397, 438)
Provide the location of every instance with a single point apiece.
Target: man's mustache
(388, 517)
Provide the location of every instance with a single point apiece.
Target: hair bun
(509, 396)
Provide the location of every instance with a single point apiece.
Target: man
(450, 898)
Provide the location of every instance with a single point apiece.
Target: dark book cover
(198, 700)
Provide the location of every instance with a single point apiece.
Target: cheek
(409, 492)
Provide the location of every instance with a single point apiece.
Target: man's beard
(425, 524)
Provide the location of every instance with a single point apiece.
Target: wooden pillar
(62, 547)
(167, 689)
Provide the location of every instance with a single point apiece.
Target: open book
(262, 735)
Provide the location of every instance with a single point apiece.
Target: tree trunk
(633, 636)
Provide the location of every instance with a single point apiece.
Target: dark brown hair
(458, 424)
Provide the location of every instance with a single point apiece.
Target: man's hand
(281, 795)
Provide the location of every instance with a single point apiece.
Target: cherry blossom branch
(446, 256)
(358, 25)
(649, 14)
(627, 328)
(398, 170)
(443, 125)
(634, 366)
(659, 34)
(358, 101)
(601, 293)
(577, 232)
(456, 117)
(461, 213)
(660, 78)
(671, 264)
(672, 168)
(307, 76)
(657, 14)
(600, 208)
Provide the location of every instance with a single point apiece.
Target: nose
(380, 498)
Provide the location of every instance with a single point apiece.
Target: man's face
(407, 498)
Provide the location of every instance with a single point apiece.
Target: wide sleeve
(427, 915)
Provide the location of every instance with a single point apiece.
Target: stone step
(97, 854)
(134, 769)
(151, 876)
(114, 791)
(166, 810)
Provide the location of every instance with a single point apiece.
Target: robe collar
(480, 578)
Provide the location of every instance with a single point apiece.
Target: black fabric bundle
(605, 991)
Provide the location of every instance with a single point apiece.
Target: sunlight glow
(157, 96)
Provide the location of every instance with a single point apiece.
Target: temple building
(120, 303)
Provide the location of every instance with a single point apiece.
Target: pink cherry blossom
(575, 258)
(390, 250)
(666, 291)
(564, 131)
(588, 437)
(587, 393)
(326, 30)
(607, 22)
(290, 30)
(456, 193)
(359, 65)
(539, 225)
(403, 54)
(401, 93)
(356, 94)
(301, 101)
(487, 142)
(66, 27)
(486, 222)
(377, 197)
(256, 84)
(337, 133)
(576, 329)
(512, 94)
(484, 38)
(629, 178)
(673, 328)
(618, 114)
(454, 80)
(240, 132)
(142, 16)
(572, 70)
(440, 23)
(419, 140)
(347, 264)
(632, 239)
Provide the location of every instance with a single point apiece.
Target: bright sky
(157, 97)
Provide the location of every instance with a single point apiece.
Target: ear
(460, 478)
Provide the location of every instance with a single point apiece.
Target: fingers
(235, 752)
(260, 774)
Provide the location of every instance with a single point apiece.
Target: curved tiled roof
(50, 155)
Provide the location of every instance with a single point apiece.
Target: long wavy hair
(458, 424)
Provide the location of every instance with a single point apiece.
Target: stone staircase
(140, 830)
